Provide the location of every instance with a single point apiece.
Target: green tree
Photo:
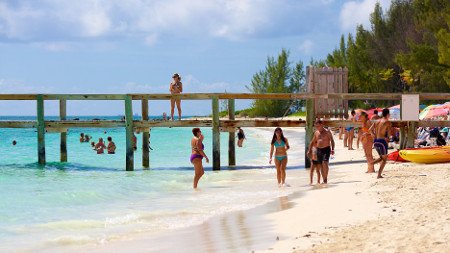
(277, 77)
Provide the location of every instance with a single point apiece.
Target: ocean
(92, 200)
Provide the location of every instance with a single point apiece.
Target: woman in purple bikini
(197, 154)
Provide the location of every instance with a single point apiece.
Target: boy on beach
(383, 129)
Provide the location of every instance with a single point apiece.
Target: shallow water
(93, 200)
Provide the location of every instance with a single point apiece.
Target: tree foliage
(279, 76)
(406, 49)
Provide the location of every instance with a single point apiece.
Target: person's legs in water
(198, 167)
(172, 108)
(178, 101)
(278, 167)
(283, 170)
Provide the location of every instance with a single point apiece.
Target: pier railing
(229, 125)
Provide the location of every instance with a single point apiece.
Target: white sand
(407, 211)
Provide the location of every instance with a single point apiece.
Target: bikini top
(282, 144)
(176, 85)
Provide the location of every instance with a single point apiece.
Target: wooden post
(402, 139)
(145, 137)
(310, 116)
(129, 133)
(411, 134)
(63, 135)
(216, 133)
(231, 136)
(40, 129)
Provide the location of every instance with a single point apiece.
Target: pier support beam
(145, 137)
(231, 136)
(216, 133)
(40, 129)
(411, 134)
(63, 135)
(129, 133)
(309, 130)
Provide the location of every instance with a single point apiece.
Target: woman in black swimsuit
(241, 137)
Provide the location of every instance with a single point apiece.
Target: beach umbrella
(394, 112)
(446, 105)
(433, 112)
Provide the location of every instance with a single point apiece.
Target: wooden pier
(145, 125)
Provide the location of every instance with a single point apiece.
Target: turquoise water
(92, 200)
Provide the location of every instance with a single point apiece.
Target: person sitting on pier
(100, 146)
(280, 144)
(324, 141)
(197, 155)
(82, 137)
(241, 137)
(111, 146)
(176, 87)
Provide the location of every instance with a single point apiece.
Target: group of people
(100, 146)
(427, 136)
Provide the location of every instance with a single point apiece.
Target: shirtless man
(383, 130)
(322, 139)
(100, 146)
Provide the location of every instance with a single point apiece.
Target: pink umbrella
(433, 112)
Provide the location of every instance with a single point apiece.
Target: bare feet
(351, 149)
(379, 177)
(370, 171)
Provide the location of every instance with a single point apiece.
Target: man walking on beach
(383, 129)
(322, 139)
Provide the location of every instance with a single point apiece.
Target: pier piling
(63, 134)
(231, 136)
(129, 166)
(145, 136)
(216, 133)
(40, 129)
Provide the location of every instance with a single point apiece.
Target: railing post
(63, 135)
(216, 133)
(145, 137)
(129, 133)
(40, 129)
(231, 136)
(411, 135)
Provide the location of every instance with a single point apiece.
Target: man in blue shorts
(383, 131)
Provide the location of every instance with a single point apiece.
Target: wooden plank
(231, 135)
(145, 137)
(129, 165)
(85, 124)
(18, 124)
(40, 129)
(84, 96)
(63, 135)
(207, 96)
(18, 96)
(216, 133)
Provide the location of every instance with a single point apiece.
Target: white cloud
(354, 13)
(306, 47)
(55, 20)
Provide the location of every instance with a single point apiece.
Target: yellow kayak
(427, 155)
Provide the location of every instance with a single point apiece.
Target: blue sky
(134, 46)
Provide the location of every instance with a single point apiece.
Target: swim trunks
(323, 154)
(380, 146)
